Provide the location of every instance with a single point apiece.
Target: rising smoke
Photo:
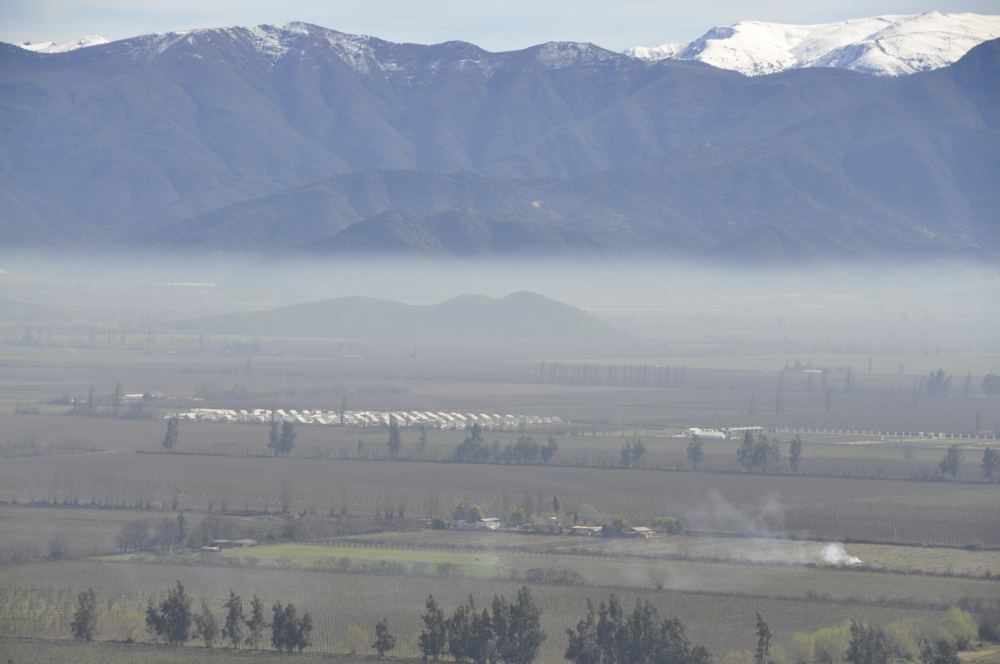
(836, 554)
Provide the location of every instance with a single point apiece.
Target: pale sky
(492, 24)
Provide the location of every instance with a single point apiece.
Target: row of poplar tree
(502, 633)
(174, 621)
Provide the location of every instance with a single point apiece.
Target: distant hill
(519, 316)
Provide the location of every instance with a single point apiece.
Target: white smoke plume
(836, 554)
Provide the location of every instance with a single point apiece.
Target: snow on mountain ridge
(62, 47)
(365, 53)
(882, 45)
(661, 52)
(558, 55)
(889, 45)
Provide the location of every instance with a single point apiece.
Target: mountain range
(890, 45)
(305, 140)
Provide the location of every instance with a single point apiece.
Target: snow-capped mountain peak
(63, 47)
(882, 45)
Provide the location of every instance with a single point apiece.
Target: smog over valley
(499, 333)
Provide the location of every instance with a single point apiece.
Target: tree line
(526, 451)
(174, 621)
(756, 452)
(505, 632)
(508, 632)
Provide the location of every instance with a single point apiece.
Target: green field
(931, 560)
(305, 555)
(607, 570)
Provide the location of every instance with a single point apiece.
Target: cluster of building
(549, 526)
(723, 433)
(219, 544)
(370, 418)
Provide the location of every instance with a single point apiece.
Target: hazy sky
(493, 24)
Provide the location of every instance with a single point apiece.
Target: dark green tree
(171, 437)
(500, 628)
(171, 619)
(769, 452)
(422, 441)
(384, 642)
(745, 452)
(465, 511)
(951, 462)
(484, 642)
(757, 452)
(550, 449)
(526, 633)
(617, 528)
(762, 653)
(638, 453)
(639, 638)
(632, 453)
(459, 630)
(395, 442)
(85, 618)
(938, 383)
(256, 622)
(279, 627)
(869, 644)
(304, 632)
(695, 452)
(288, 631)
(517, 516)
(939, 652)
(205, 625)
(584, 647)
(991, 464)
(795, 454)
(134, 536)
(472, 449)
(286, 443)
(274, 437)
(233, 628)
(434, 637)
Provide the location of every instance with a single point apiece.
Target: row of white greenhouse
(370, 418)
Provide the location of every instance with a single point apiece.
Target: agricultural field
(52, 431)
(948, 514)
(342, 522)
(345, 606)
(765, 551)
(607, 570)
